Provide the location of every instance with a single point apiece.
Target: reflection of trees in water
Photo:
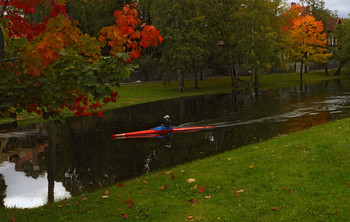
(31, 170)
(3, 187)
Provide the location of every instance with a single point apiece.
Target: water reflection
(80, 156)
(23, 191)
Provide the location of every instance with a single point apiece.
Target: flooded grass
(303, 176)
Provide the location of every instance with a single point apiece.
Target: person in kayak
(166, 123)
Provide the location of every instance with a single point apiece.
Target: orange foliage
(124, 34)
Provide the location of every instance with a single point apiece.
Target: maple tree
(305, 39)
(52, 65)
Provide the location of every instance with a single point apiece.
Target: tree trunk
(181, 81)
(51, 161)
(196, 80)
(256, 79)
(337, 73)
(195, 75)
(232, 72)
(326, 70)
(250, 81)
(301, 71)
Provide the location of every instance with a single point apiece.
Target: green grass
(303, 176)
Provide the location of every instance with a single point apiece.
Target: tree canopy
(50, 64)
(305, 39)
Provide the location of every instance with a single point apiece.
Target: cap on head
(166, 117)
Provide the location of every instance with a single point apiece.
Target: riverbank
(132, 94)
(303, 176)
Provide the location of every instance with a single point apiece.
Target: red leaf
(172, 175)
(163, 187)
(192, 200)
(130, 205)
(120, 184)
(201, 189)
(13, 219)
(236, 194)
(128, 200)
(125, 216)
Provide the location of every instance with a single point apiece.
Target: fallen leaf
(112, 213)
(182, 171)
(105, 197)
(192, 200)
(165, 211)
(275, 208)
(189, 217)
(208, 197)
(240, 191)
(163, 187)
(172, 176)
(191, 180)
(169, 172)
(336, 209)
(125, 216)
(291, 191)
(13, 219)
(130, 205)
(59, 206)
(201, 189)
(251, 166)
(236, 194)
(138, 179)
(107, 192)
(120, 185)
(228, 158)
(284, 188)
(195, 187)
(84, 198)
(145, 181)
(255, 148)
(128, 200)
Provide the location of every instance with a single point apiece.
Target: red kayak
(158, 131)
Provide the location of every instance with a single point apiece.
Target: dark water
(47, 161)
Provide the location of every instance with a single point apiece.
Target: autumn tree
(50, 65)
(318, 10)
(305, 41)
(342, 52)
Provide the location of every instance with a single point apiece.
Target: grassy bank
(131, 94)
(303, 176)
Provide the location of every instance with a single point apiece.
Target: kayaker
(166, 122)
